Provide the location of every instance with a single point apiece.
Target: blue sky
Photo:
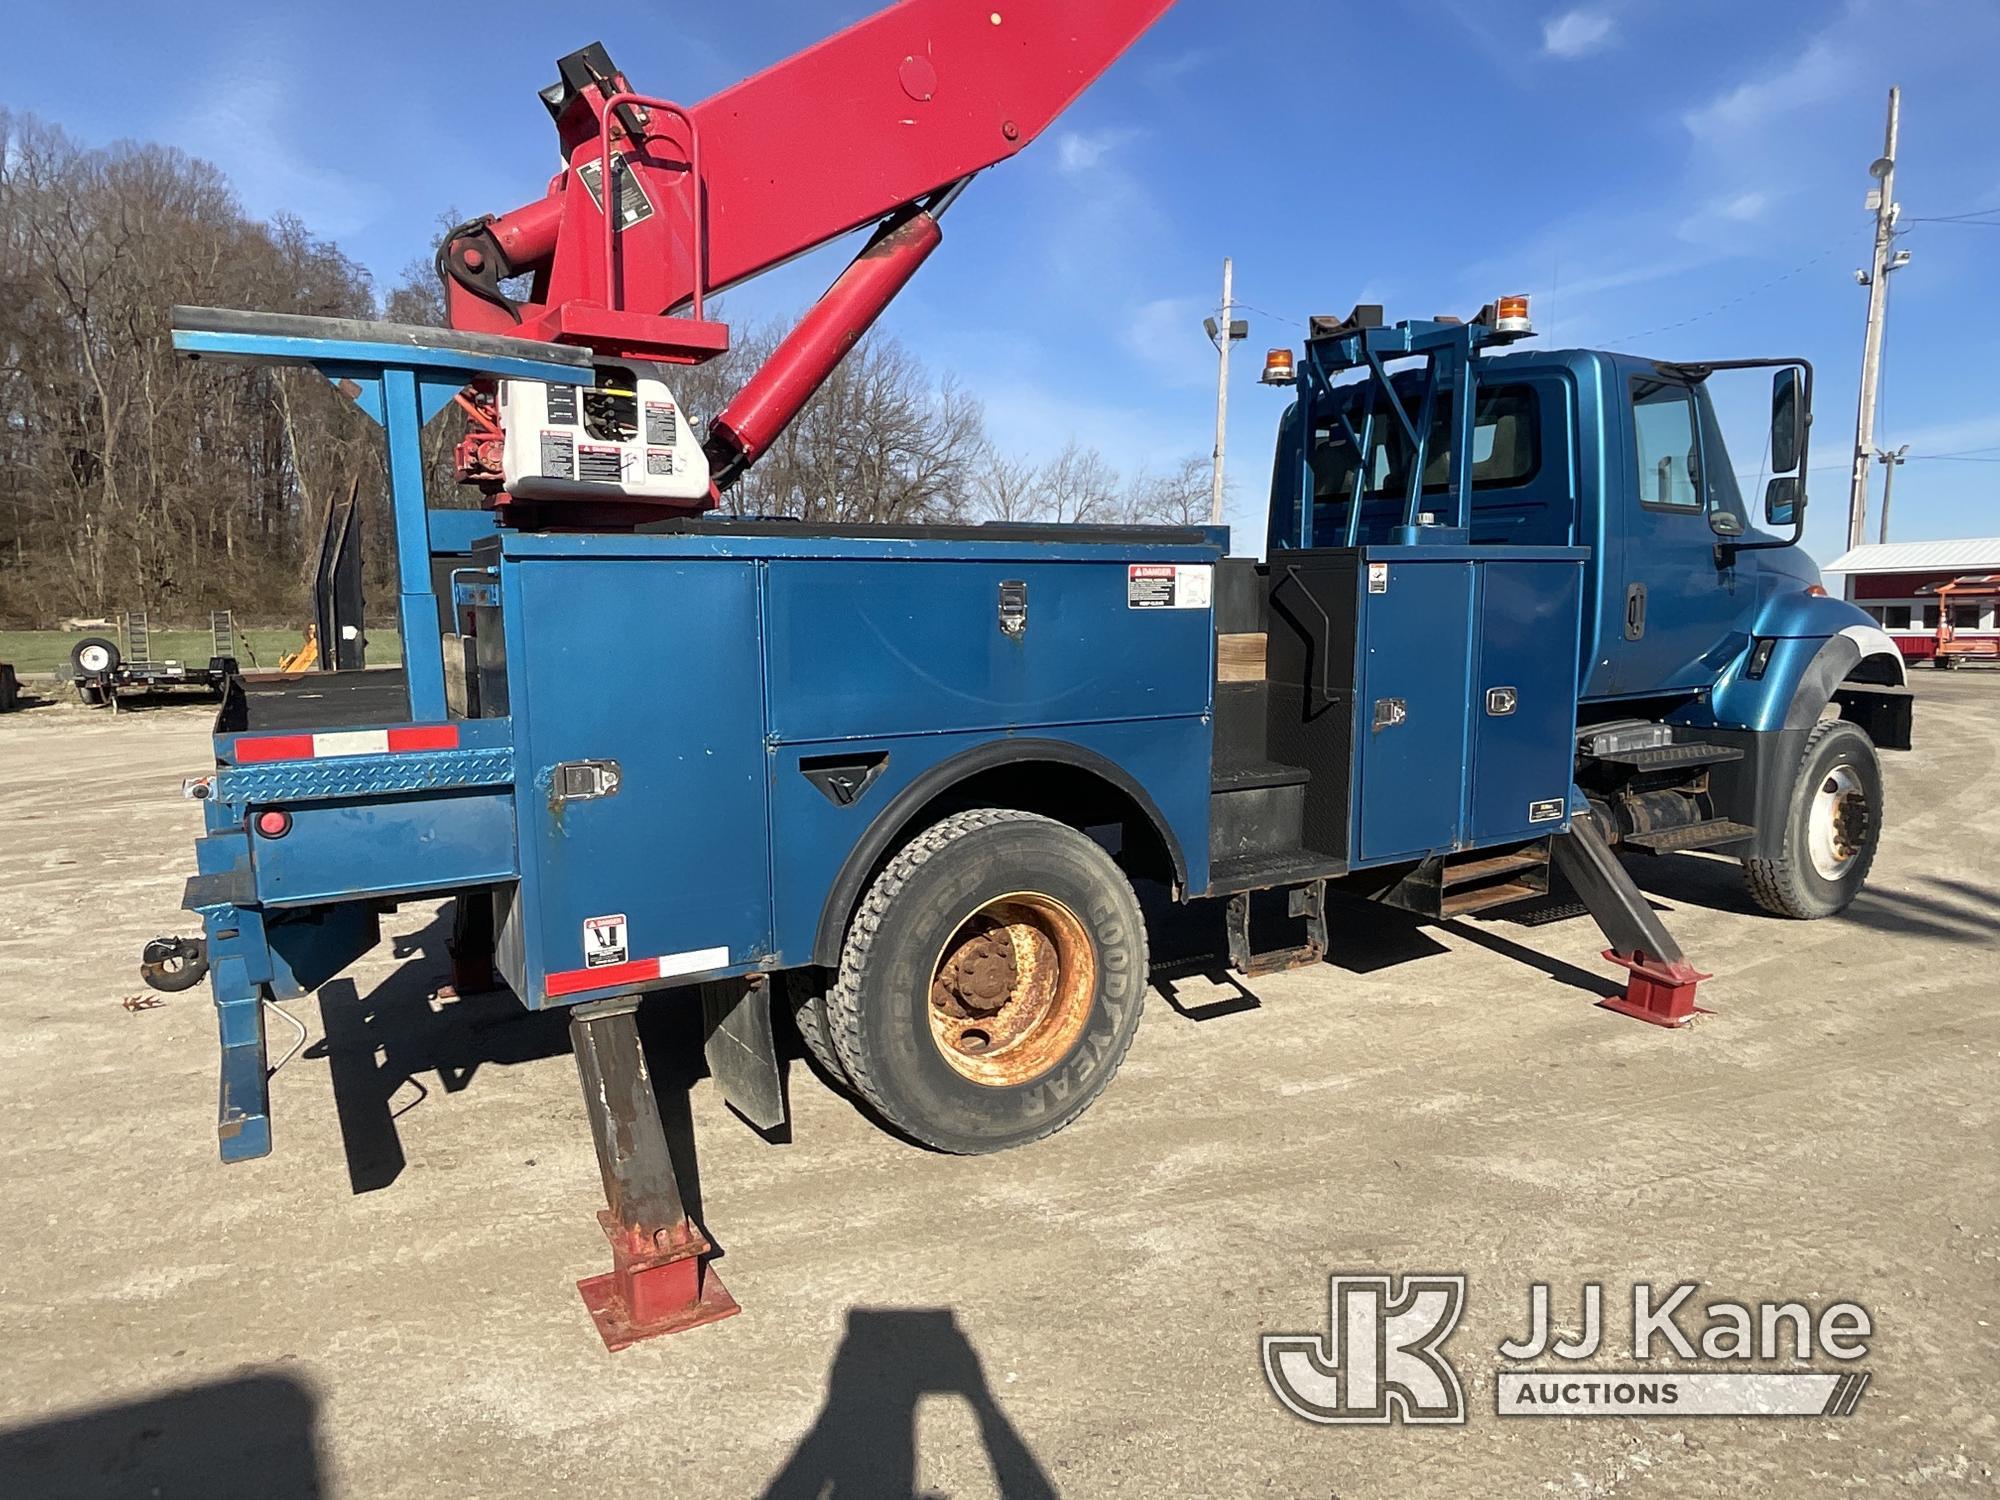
(1679, 177)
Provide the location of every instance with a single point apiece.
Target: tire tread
(1774, 883)
(843, 997)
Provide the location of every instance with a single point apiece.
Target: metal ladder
(138, 639)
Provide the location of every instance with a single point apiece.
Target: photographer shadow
(864, 1443)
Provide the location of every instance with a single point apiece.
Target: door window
(1669, 454)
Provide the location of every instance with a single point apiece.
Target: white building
(1885, 579)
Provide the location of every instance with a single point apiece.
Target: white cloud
(1577, 33)
(1165, 336)
(247, 126)
(1084, 151)
(1821, 72)
(1744, 208)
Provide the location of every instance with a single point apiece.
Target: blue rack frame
(400, 377)
(400, 383)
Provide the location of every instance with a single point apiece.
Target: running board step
(1709, 835)
(1668, 757)
(1305, 902)
(1535, 857)
(1261, 773)
(1481, 898)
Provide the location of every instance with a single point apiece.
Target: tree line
(132, 477)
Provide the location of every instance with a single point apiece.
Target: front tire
(991, 982)
(1833, 823)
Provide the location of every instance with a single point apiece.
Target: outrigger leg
(1662, 984)
(659, 1280)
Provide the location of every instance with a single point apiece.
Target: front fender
(1797, 682)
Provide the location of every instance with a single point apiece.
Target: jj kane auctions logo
(1382, 1356)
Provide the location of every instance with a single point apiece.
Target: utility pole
(1222, 335)
(1890, 463)
(1882, 199)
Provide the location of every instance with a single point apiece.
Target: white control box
(623, 436)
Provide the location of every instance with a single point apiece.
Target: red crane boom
(880, 122)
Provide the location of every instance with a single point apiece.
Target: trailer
(102, 668)
(1512, 618)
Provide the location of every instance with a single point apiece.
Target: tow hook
(174, 963)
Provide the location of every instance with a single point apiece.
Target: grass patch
(42, 651)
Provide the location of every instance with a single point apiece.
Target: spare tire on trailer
(93, 657)
(991, 981)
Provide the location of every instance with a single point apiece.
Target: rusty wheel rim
(1011, 989)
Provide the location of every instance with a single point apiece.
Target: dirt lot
(384, 1307)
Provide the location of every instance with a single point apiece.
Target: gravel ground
(384, 1307)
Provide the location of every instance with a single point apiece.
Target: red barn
(1885, 579)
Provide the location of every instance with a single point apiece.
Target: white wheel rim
(93, 658)
(1836, 822)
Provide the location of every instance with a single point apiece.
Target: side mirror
(1783, 500)
(1788, 427)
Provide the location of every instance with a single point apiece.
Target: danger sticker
(604, 941)
(1169, 585)
(1378, 578)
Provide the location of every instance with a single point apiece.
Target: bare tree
(1178, 497)
(1077, 485)
(1007, 489)
(881, 442)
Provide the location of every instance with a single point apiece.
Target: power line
(1280, 317)
(1756, 291)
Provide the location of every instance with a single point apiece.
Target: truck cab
(1703, 622)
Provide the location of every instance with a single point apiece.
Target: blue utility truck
(1513, 616)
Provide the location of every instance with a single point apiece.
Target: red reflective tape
(425, 737)
(569, 981)
(274, 747)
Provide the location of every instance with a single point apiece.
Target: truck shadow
(380, 1048)
(252, 1437)
(377, 1046)
(1939, 909)
(864, 1440)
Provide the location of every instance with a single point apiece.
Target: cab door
(1678, 606)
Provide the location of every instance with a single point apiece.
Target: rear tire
(1833, 823)
(991, 982)
(806, 989)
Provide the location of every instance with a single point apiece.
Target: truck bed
(315, 700)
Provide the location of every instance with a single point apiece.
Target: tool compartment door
(1409, 726)
(651, 666)
(1524, 699)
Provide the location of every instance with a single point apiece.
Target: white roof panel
(1968, 554)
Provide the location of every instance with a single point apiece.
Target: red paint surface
(573, 981)
(274, 747)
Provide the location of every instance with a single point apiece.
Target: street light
(1890, 463)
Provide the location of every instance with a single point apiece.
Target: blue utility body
(680, 754)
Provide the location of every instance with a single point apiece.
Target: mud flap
(742, 1050)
